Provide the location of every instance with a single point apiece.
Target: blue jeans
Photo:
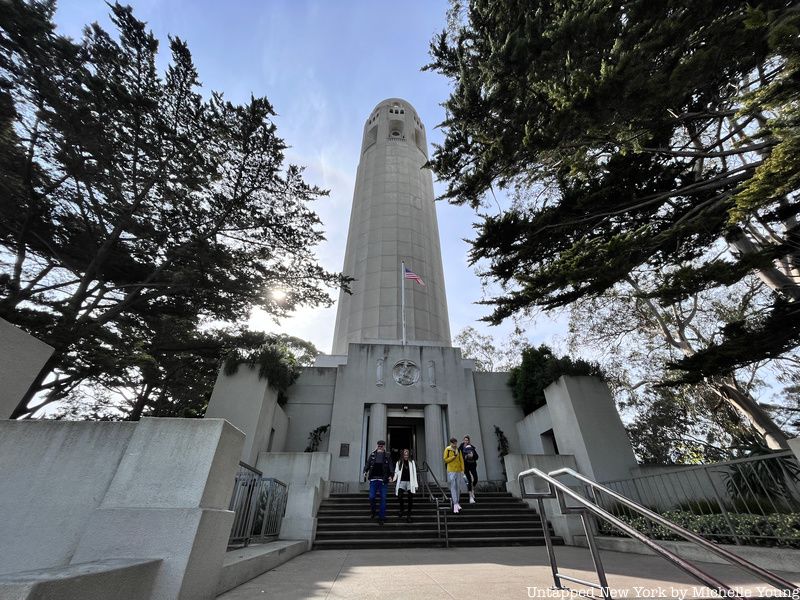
(374, 485)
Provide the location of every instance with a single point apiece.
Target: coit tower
(393, 222)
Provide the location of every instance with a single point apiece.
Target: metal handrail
(760, 572)
(250, 468)
(443, 508)
(559, 490)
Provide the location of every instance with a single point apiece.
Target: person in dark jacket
(378, 471)
(470, 453)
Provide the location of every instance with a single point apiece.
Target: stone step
(479, 494)
(412, 531)
(395, 501)
(496, 519)
(484, 512)
(431, 521)
(430, 542)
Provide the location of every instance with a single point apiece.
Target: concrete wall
(496, 406)
(366, 382)
(280, 425)
(310, 405)
(21, 358)
(295, 467)
(530, 431)
(84, 492)
(587, 425)
(54, 475)
(307, 475)
(247, 402)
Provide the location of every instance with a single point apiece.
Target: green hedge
(756, 530)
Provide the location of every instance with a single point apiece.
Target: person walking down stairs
(470, 454)
(378, 471)
(405, 474)
(455, 472)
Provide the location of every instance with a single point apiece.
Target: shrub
(538, 369)
(275, 364)
(757, 530)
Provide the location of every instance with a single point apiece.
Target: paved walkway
(478, 573)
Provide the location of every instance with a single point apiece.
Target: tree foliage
(488, 354)
(636, 338)
(637, 135)
(134, 210)
(539, 368)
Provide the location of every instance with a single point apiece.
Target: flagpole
(403, 298)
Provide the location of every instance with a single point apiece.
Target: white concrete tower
(393, 220)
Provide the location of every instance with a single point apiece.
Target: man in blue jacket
(378, 470)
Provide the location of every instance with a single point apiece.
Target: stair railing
(558, 490)
(442, 504)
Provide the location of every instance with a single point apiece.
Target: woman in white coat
(405, 474)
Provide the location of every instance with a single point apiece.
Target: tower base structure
(417, 397)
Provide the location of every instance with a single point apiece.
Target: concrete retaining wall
(246, 401)
(496, 406)
(21, 358)
(54, 476)
(80, 493)
(587, 425)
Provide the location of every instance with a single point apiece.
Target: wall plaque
(405, 372)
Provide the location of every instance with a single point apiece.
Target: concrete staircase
(497, 519)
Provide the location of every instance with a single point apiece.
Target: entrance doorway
(400, 437)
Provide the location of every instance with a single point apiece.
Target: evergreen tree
(644, 133)
(134, 210)
(638, 136)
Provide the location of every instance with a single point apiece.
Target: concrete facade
(580, 419)
(156, 490)
(22, 356)
(310, 406)
(370, 404)
(393, 219)
(248, 402)
(307, 474)
(586, 424)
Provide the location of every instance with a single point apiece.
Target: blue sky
(323, 65)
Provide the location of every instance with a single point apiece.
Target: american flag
(409, 274)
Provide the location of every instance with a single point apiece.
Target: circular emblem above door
(405, 372)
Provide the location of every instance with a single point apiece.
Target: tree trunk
(752, 413)
(774, 278)
(140, 404)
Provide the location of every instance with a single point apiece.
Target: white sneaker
(456, 508)
(472, 498)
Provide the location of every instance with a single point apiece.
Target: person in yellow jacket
(455, 472)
